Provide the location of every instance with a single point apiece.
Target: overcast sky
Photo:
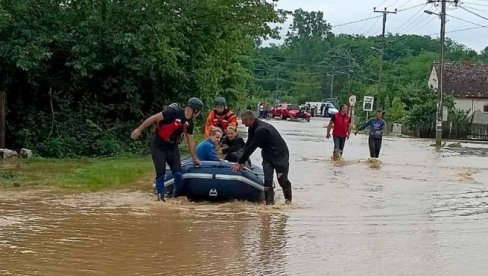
(410, 18)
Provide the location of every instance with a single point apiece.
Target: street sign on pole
(368, 103)
(352, 100)
(445, 111)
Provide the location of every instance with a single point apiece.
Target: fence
(450, 130)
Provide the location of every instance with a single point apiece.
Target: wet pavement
(418, 213)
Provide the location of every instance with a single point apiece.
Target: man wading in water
(274, 152)
(341, 122)
(377, 128)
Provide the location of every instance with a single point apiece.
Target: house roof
(465, 80)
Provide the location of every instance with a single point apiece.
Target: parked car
(282, 110)
(330, 108)
(300, 114)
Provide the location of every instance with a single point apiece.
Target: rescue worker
(172, 123)
(274, 152)
(341, 122)
(220, 117)
(377, 128)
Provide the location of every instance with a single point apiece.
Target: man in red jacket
(341, 123)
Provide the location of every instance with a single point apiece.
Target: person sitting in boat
(220, 117)
(206, 150)
(232, 145)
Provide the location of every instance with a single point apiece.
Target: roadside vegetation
(80, 75)
(85, 174)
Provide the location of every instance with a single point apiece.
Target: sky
(409, 19)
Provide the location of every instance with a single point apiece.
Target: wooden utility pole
(380, 69)
(3, 104)
(438, 129)
(442, 15)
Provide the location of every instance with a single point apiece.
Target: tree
(395, 113)
(93, 69)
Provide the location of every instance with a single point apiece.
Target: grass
(87, 174)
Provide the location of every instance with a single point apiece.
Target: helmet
(220, 101)
(195, 103)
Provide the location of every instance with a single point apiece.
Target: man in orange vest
(220, 117)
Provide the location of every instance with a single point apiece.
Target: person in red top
(341, 123)
(220, 117)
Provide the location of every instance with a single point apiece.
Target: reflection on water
(418, 213)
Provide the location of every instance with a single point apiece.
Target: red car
(300, 114)
(282, 110)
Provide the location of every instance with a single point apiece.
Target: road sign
(368, 103)
(352, 100)
(445, 112)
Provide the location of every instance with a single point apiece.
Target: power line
(431, 18)
(414, 24)
(394, 3)
(373, 25)
(472, 3)
(408, 1)
(408, 22)
(461, 30)
(357, 21)
(476, 9)
(474, 23)
(486, 18)
(373, 17)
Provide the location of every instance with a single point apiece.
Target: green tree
(395, 113)
(91, 70)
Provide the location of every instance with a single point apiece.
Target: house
(466, 82)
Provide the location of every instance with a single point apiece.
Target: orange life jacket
(221, 121)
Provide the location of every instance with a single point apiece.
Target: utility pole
(3, 104)
(438, 125)
(331, 85)
(438, 131)
(276, 86)
(331, 75)
(380, 70)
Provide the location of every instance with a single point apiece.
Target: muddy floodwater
(418, 213)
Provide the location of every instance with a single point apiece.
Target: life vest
(222, 121)
(171, 132)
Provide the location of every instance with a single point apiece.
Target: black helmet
(220, 101)
(195, 103)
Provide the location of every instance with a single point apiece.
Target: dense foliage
(80, 74)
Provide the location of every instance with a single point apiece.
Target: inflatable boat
(215, 181)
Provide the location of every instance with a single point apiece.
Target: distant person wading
(377, 128)
(341, 123)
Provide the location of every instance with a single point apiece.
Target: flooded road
(419, 213)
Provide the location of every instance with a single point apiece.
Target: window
(485, 108)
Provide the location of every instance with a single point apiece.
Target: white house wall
(470, 105)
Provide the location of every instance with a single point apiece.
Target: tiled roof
(465, 80)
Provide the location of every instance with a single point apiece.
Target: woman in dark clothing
(232, 145)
